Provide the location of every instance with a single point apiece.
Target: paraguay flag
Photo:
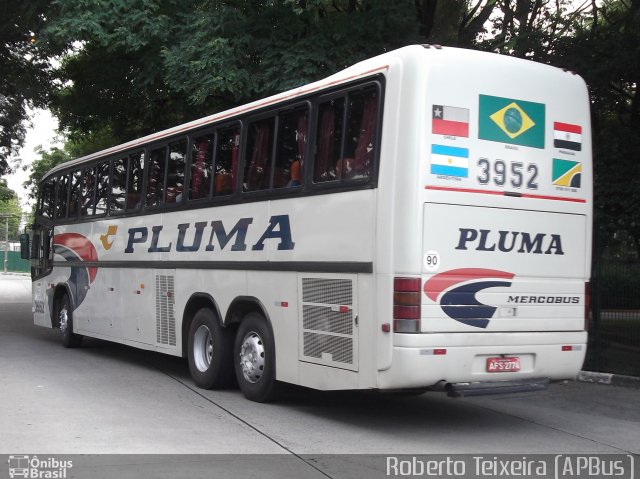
(567, 136)
(450, 120)
(449, 161)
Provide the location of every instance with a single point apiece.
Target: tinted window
(118, 185)
(328, 140)
(226, 161)
(62, 192)
(175, 171)
(155, 182)
(201, 167)
(290, 148)
(360, 138)
(102, 188)
(258, 155)
(345, 140)
(134, 181)
(48, 198)
(88, 190)
(74, 196)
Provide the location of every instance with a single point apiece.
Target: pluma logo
(455, 290)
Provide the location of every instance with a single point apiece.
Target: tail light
(406, 305)
(587, 304)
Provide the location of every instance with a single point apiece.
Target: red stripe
(448, 127)
(490, 192)
(567, 127)
(442, 281)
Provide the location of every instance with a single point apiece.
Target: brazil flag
(507, 120)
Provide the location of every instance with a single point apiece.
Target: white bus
(419, 220)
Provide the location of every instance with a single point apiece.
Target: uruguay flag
(449, 161)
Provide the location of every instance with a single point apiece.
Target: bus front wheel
(64, 319)
(255, 360)
(210, 352)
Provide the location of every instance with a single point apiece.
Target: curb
(609, 379)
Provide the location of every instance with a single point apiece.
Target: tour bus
(420, 220)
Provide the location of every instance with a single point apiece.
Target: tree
(40, 166)
(9, 205)
(25, 72)
(138, 66)
(605, 50)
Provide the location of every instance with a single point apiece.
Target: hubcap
(203, 348)
(63, 316)
(252, 357)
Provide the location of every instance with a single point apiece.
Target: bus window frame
(307, 188)
(348, 183)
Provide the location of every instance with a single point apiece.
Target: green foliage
(24, 66)
(6, 193)
(139, 66)
(605, 50)
(12, 208)
(40, 166)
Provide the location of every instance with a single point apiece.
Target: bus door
(41, 255)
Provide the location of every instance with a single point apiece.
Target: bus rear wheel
(255, 359)
(64, 319)
(210, 351)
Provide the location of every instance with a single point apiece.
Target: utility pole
(6, 240)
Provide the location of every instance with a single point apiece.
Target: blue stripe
(449, 170)
(450, 151)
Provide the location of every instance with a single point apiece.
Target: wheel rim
(252, 357)
(63, 316)
(202, 348)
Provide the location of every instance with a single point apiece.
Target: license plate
(503, 365)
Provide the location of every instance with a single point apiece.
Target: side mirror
(24, 246)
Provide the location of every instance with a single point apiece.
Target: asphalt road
(106, 398)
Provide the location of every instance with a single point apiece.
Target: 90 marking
(500, 175)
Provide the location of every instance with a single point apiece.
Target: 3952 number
(515, 174)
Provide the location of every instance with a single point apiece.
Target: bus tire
(210, 351)
(64, 320)
(255, 359)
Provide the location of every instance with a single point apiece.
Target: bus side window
(359, 140)
(74, 196)
(226, 160)
(290, 148)
(134, 181)
(88, 192)
(62, 195)
(258, 155)
(175, 171)
(328, 140)
(102, 188)
(118, 185)
(201, 166)
(48, 198)
(155, 181)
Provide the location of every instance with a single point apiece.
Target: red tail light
(587, 304)
(406, 305)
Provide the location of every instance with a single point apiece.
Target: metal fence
(15, 263)
(614, 327)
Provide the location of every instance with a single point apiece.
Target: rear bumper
(457, 390)
(414, 364)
